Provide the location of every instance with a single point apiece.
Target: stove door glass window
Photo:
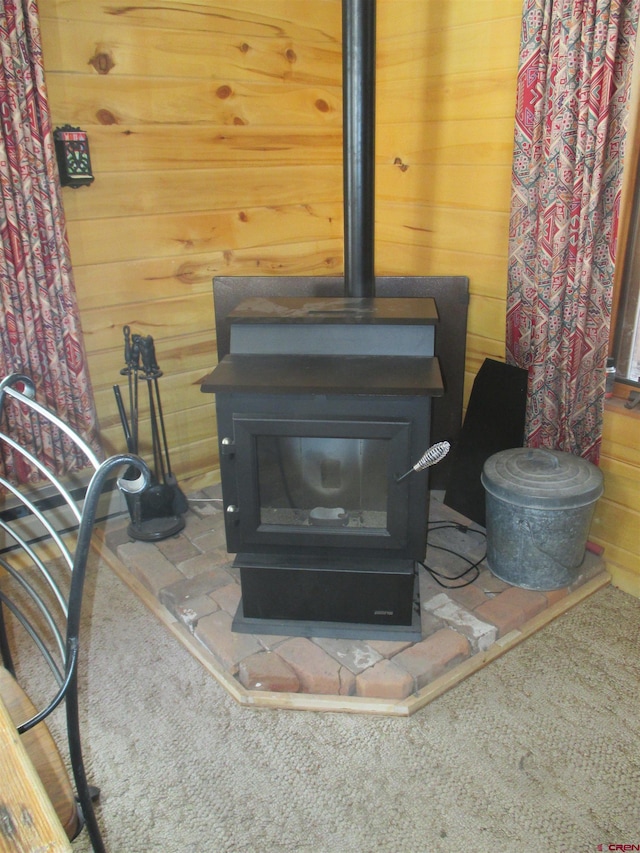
(323, 483)
(313, 482)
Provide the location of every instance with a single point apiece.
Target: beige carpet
(537, 752)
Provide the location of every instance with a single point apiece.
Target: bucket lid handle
(540, 450)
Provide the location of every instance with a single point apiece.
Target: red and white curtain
(41, 333)
(572, 104)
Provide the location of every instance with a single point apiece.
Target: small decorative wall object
(72, 154)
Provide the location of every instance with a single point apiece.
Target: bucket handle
(524, 522)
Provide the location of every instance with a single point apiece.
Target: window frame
(626, 319)
(626, 280)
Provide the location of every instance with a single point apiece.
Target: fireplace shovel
(157, 512)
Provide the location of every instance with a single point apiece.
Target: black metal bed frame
(42, 535)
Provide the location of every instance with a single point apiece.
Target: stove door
(319, 483)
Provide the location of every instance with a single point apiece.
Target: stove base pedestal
(313, 597)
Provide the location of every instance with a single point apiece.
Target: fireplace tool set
(156, 513)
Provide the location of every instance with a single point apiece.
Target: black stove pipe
(358, 117)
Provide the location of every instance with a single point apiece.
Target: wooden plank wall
(215, 132)
(617, 518)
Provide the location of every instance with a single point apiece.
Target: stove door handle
(227, 447)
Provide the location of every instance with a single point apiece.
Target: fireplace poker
(123, 418)
(135, 363)
(127, 371)
(130, 370)
(152, 373)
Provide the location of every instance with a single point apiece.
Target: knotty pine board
(231, 17)
(211, 146)
(316, 58)
(151, 279)
(261, 222)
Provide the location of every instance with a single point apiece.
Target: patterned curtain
(41, 334)
(573, 95)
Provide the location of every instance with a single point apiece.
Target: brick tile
(207, 501)
(116, 535)
(385, 680)
(429, 623)
(427, 585)
(471, 596)
(148, 565)
(352, 654)
(188, 602)
(228, 597)
(347, 682)
(214, 632)
(480, 634)
(191, 612)
(199, 524)
(177, 548)
(211, 540)
(271, 641)
(181, 571)
(592, 565)
(432, 602)
(502, 614)
(512, 608)
(389, 648)
(431, 657)
(267, 671)
(234, 571)
(449, 562)
(189, 587)
(490, 584)
(530, 601)
(217, 559)
(317, 671)
(553, 595)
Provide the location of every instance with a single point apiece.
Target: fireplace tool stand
(157, 512)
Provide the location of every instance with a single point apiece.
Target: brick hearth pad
(189, 583)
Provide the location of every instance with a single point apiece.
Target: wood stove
(322, 405)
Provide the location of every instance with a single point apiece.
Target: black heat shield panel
(494, 421)
(451, 294)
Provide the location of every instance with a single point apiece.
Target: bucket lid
(534, 477)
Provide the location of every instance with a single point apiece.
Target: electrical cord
(445, 581)
(450, 581)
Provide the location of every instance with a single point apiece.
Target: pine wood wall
(215, 133)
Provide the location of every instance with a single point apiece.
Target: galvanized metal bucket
(539, 508)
